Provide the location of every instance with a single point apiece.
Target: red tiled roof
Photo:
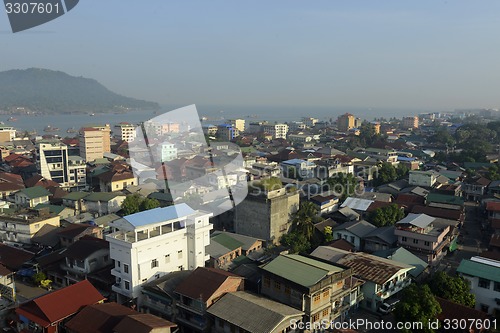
(98, 318)
(451, 310)
(379, 204)
(495, 240)
(60, 304)
(495, 224)
(450, 214)
(85, 246)
(13, 258)
(142, 323)
(38, 180)
(12, 157)
(493, 206)
(74, 230)
(409, 198)
(203, 283)
(4, 271)
(342, 244)
(11, 178)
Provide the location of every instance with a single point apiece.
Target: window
(326, 293)
(315, 317)
(325, 312)
(267, 282)
(167, 258)
(179, 254)
(426, 243)
(317, 298)
(287, 290)
(415, 241)
(119, 263)
(352, 239)
(496, 286)
(127, 285)
(154, 263)
(277, 285)
(484, 283)
(339, 235)
(125, 268)
(404, 239)
(181, 268)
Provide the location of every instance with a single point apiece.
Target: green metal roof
(478, 269)
(76, 195)
(299, 269)
(445, 198)
(226, 241)
(56, 209)
(102, 196)
(35, 192)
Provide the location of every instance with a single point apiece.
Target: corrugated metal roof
(479, 269)
(418, 220)
(357, 203)
(299, 269)
(157, 215)
(236, 307)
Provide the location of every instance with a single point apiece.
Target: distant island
(43, 90)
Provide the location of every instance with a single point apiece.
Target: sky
(433, 55)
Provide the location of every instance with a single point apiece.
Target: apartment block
(278, 131)
(126, 131)
(152, 243)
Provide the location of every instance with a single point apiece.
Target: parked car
(388, 306)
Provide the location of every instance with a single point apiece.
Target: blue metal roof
(158, 215)
(406, 159)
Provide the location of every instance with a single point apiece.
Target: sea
(209, 113)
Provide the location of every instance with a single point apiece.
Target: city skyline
(425, 55)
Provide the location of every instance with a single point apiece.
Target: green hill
(47, 90)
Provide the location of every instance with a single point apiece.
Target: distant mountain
(47, 90)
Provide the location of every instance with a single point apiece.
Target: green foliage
(304, 219)
(328, 234)
(296, 242)
(418, 304)
(131, 204)
(455, 289)
(343, 185)
(442, 136)
(386, 216)
(148, 203)
(386, 173)
(493, 172)
(402, 171)
(39, 277)
(135, 203)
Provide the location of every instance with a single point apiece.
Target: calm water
(215, 114)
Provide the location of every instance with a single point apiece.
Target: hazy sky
(408, 54)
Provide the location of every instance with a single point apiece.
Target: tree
(386, 173)
(418, 304)
(386, 216)
(343, 185)
(148, 203)
(402, 171)
(453, 288)
(296, 242)
(39, 277)
(131, 204)
(328, 234)
(304, 218)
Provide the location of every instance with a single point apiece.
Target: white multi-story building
(239, 124)
(310, 122)
(54, 163)
(7, 133)
(155, 242)
(484, 277)
(126, 131)
(167, 151)
(278, 131)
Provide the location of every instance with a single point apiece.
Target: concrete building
(32, 196)
(484, 277)
(167, 151)
(7, 133)
(266, 215)
(278, 131)
(346, 122)
(418, 234)
(298, 169)
(125, 131)
(210, 130)
(155, 242)
(239, 124)
(52, 161)
(323, 291)
(91, 142)
(21, 227)
(383, 278)
(310, 122)
(227, 132)
(422, 178)
(410, 122)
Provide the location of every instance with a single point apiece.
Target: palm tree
(303, 220)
